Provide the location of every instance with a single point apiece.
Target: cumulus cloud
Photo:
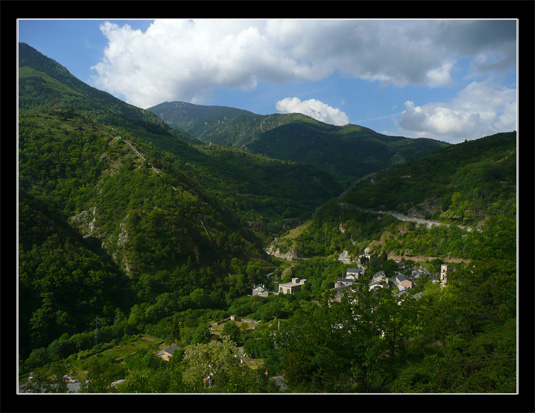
(188, 59)
(440, 76)
(314, 109)
(480, 109)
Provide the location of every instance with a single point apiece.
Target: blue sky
(444, 79)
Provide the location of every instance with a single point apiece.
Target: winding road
(402, 217)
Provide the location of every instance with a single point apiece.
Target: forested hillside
(463, 185)
(219, 124)
(168, 216)
(347, 152)
(139, 249)
(207, 123)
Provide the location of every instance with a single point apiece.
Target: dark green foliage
(324, 237)
(472, 181)
(465, 184)
(64, 282)
(346, 152)
(263, 191)
(109, 249)
(233, 332)
(482, 365)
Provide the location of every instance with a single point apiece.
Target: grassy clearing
(295, 232)
(132, 346)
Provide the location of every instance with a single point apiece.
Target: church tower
(444, 269)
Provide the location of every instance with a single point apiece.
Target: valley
(172, 229)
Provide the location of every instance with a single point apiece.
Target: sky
(449, 80)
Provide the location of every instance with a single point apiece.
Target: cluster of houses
(403, 282)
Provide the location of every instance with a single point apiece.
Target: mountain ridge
(131, 231)
(457, 189)
(347, 152)
(173, 218)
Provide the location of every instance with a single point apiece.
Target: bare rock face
(290, 255)
(85, 221)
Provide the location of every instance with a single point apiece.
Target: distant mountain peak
(347, 152)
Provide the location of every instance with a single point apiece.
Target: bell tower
(444, 269)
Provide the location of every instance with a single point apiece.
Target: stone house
(168, 352)
(403, 282)
(261, 290)
(379, 279)
(344, 282)
(354, 273)
(292, 287)
(417, 273)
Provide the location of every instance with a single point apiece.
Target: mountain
(118, 204)
(462, 184)
(198, 119)
(465, 186)
(347, 152)
(221, 125)
(133, 235)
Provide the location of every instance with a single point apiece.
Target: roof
(401, 277)
(171, 349)
(260, 287)
(290, 284)
(353, 270)
(379, 275)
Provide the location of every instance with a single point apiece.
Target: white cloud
(440, 76)
(314, 109)
(187, 60)
(480, 109)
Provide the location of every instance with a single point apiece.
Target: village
(407, 275)
(404, 279)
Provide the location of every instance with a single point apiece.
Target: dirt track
(421, 258)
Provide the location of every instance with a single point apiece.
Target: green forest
(346, 152)
(135, 236)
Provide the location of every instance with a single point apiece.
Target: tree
(49, 379)
(232, 331)
(175, 330)
(389, 266)
(97, 379)
(315, 351)
(216, 367)
(484, 363)
(201, 334)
